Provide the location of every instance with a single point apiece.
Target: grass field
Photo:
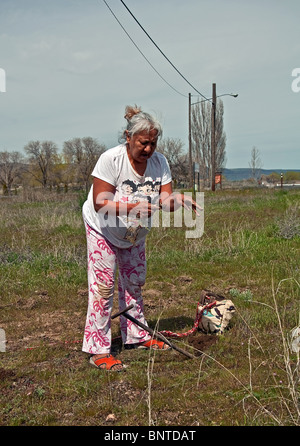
(249, 376)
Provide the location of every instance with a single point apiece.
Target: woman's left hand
(174, 201)
(188, 203)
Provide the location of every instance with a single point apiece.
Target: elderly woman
(117, 219)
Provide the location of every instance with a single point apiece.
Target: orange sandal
(151, 344)
(108, 362)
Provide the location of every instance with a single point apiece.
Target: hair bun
(130, 111)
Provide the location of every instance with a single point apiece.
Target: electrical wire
(163, 52)
(147, 60)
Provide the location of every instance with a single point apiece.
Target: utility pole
(213, 138)
(190, 144)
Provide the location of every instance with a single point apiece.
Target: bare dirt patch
(201, 343)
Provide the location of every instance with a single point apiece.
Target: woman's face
(142, 145)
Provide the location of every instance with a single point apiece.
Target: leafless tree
(255, 164)
(82, 154)
(42, 156)
(61, 174)
(201, 137)
(11, 167)
(220, 137)
(178, 160)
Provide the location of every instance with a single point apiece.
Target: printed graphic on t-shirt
(132, 191)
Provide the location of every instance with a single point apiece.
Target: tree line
(44, 165)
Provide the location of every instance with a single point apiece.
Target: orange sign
(218, 178)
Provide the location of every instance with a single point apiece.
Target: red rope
(171, 334)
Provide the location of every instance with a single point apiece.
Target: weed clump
(288, 227)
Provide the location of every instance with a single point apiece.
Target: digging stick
(149, 330)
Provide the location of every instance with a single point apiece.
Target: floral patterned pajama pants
(103, 261)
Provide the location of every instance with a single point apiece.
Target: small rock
(111, 417)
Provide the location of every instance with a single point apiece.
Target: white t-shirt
(114, 167)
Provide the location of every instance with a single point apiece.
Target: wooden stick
(149, 330)
(121, 312)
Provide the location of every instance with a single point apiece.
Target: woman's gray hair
(139, 121)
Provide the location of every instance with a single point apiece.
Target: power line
(141, 51)
(162, 52)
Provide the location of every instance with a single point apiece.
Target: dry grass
(249, 376)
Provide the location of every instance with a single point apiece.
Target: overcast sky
(71, 70)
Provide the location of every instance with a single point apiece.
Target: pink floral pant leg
(132, 275)
(103, 259)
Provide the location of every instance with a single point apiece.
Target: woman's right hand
(142, 209)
